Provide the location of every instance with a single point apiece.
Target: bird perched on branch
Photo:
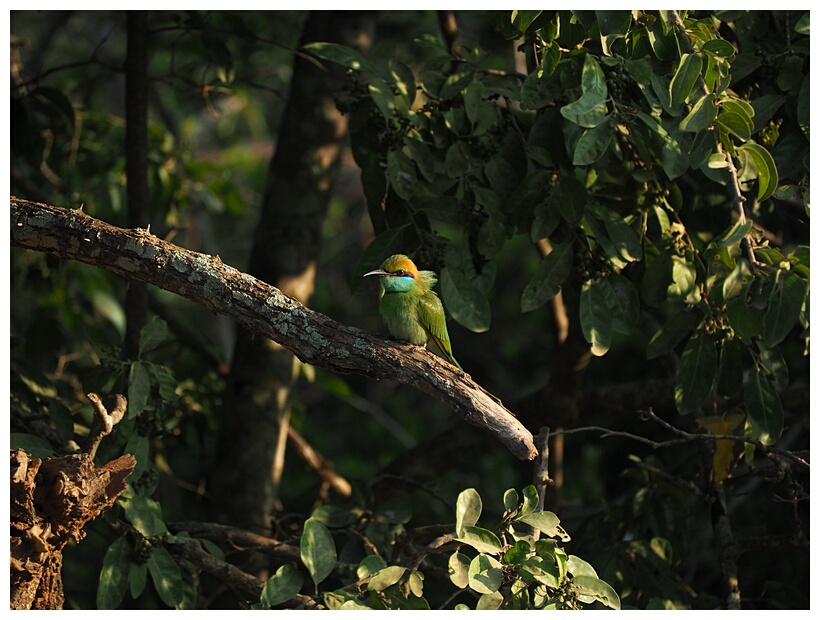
(411, 308)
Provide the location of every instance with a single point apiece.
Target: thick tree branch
(313, 337)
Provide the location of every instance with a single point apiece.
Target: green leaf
(730, 372)
(483, 541)
(402, 174)
(596, 321)
(139, 447)
(622, 302)
(522, 20)
(684, 281)
(339, 54)
(490, 601)
(510, 499)
(685, 77)
(458, 567)
(455, 162)
(622, 241)
(656, 279)
(114, 574)
(589, 110)
(464, 301)
(539, 90)
(735, 283)
(719, 48)
(385, 578)
(317, 550)
(595, 589)
(369, 566)
(701, 116)
(137, 580)
(145, 515)
(767, 176)
(457, 81)
(152, 334)
(546, 522)
(764, 108)
(674, 162)
(404, 80)
(167, 577)
(593, 144)
(613, 25)
(736, 124)
(785, 303)
(763, 407)
(746, 320)
(518, 553)
(285, 583)
(36, 446)
(468, 509)
(415, 582)
(421, 154)
(734, 234)
(110, 307)
(775, 365)
(485, 574)
(336, 516)
(696, 372)
(383, 97)
(577, 567)
(552, 272)
(542, 570)
(530, 502)
(139, 388)
(669, 335)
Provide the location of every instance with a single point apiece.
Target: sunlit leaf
(767, 176)
(340, 54)
(386, 577)
(485, 574)
(468, 509)
(480, 539)
(317, 550)
(458, 567)
(285, 583)
(596, 320)
(167, 577)
(685, 77)
(590, 109)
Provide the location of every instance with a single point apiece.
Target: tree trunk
(51, 501)
(285, 251)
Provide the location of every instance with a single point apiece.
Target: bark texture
(51, 501)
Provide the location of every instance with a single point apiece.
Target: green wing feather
(430, 309)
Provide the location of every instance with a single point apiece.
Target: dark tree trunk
(284, 253)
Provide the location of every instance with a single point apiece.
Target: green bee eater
(411, 308)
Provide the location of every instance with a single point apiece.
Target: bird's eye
(400, 272)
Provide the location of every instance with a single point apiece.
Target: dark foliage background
(502, 182)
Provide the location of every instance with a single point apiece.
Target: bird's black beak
(377, 272)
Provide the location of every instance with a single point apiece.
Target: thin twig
(687, 437)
